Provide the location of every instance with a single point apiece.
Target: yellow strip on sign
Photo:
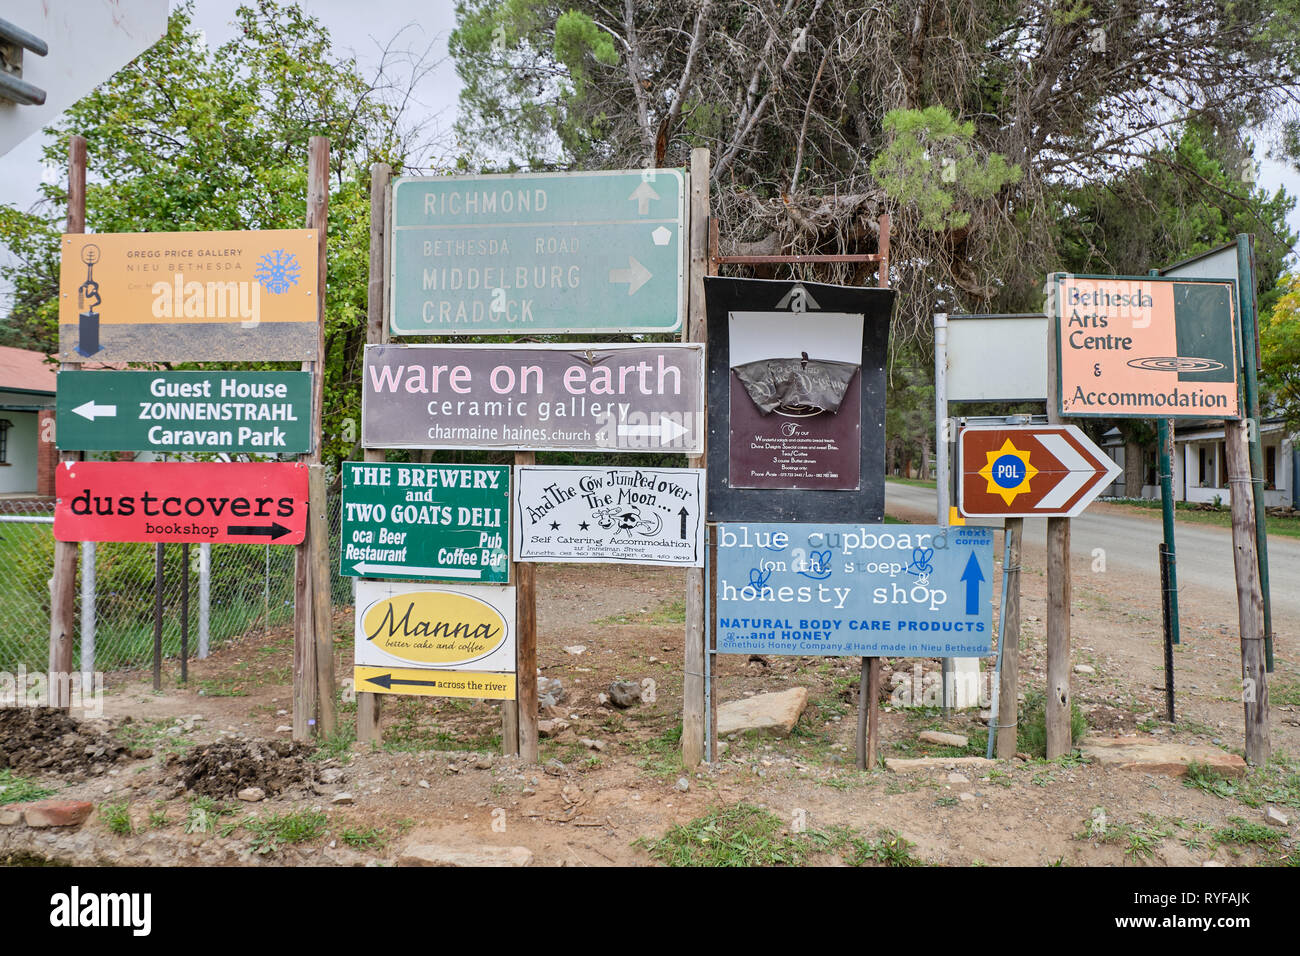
(426, 682)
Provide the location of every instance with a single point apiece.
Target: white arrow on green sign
(539, 252)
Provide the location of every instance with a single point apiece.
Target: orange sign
(1146, 347)
(188, 296)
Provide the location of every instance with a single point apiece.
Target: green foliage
(932, 165)
(205, 813)
(269, 833)
(741, 835)
(188, 137)
(16, 789)
(1279, 343)
(576, 35)
(363, 838)
(887, 849)
(1031, 732)
(117, 817)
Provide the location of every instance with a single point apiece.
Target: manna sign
(610, 515)
(534, 398)
(234, 412)
(435, 641)
(428, 522)
(1146, 347)
(161, 502)
(188, 296)
(859, 590)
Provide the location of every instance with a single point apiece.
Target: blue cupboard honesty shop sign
(861, 590)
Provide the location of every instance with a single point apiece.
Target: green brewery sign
(264, 413)
(538, 252)
(426, 522)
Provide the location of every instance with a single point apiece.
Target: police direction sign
(233, 412)
(539, 252)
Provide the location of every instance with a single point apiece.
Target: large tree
(191, 137)
(967, 120)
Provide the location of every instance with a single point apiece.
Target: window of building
(5, 425)
(1203, 475)
(1270, 467)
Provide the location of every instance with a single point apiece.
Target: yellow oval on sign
(434, 627)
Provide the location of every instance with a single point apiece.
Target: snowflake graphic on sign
(278, 271)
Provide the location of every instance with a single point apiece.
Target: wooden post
(319, 556)
(1009, 684)
(526, 644)
(695, 331)
(63, 588)
(368, 705)
(1250, 600)
(1057, 703)
(306, 626)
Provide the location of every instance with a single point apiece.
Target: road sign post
(538, 252)
(426, 522)
(1026, 471)
(163, 502)
(230, 412)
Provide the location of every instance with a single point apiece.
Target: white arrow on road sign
(635, 275)
(365, 569)
(90, 410)
(1081, 471)
(643, 194)
(666, 431)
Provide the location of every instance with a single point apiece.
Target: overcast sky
(363, 28)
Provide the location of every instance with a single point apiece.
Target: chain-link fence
(250, 588)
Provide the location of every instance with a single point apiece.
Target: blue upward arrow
(972, 576)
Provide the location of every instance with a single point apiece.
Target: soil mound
(223, 769)
(48, 740)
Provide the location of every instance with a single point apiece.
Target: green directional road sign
(539, 252)
(426, 522)
(245, 412)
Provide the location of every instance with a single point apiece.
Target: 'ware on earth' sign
(163, 502)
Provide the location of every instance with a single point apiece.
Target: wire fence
(250, 589)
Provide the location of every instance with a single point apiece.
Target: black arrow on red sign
(273, 530)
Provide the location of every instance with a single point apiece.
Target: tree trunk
(1133, 470)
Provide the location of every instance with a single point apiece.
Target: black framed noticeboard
(796, 400)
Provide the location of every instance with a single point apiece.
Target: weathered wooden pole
(308, 682)
(1057, 703)
(1009, 682)
(693, 705)
(368, 705)
(63, 588)
(526, 645)
(1250, 601)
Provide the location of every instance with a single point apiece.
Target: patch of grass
(674, 612)
(117, 817)
(338, 745)
(1277, 782)
(663, 754)
(412, 731)
(916, 482)
(1138, 840)
(887, 849)
(273, 831)
(1284, 692)
(1190, 513)
(158, 818)
(204, 814)
(740, 835)
(1031, 734)
(363, 838)
(1244, 833)
(16, 789)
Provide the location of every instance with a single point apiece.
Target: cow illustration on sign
(627, 519)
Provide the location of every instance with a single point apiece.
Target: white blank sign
(997, 358)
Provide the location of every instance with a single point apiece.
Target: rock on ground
(914, 764)
(1148, 755)
(941, 738)
(434, 854)
(775, 712)
(57, 813)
